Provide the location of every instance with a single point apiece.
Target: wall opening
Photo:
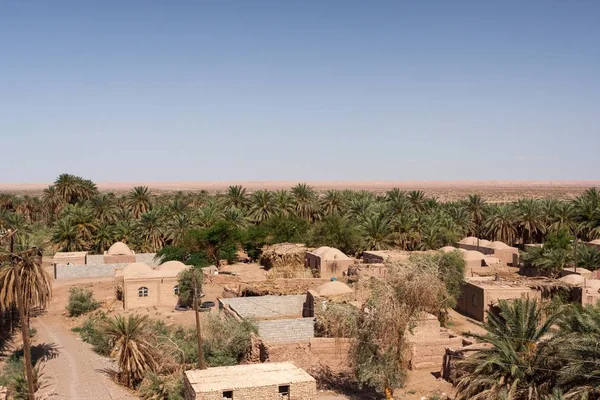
(228, 394)
(143, 292)
(284, 392)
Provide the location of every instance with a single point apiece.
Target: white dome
(473, 255)
(448, 249)
(171, 268)
(471, 240)
(333, 288)
(119, 249)
(137, 269)
(498, 245)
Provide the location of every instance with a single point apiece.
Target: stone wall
(266, 306)
(85, 271)
(298, 391)
(119, 259)
(428, 343)
(286, 330)
(98, 259)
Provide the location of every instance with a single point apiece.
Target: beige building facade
(144, 286)
(267, 381)
(119, 253)
(328, 262)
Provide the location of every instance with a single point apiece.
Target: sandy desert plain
(491, 190)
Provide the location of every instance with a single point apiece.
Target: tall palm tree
(305, 201)
(177, 227)
(149, 230)
(236, 197)
(139, 200)
(262, 205)
(501, 223)
(236, 217)
(588, 257)
(562, 218)
(515, 361)
(284, 202)
(66, 186)
(66, 237)
(477, 208)
(104, 206)
(417, 200)
(531, 220)
(378, 232)
(135, 355)
(82, 217)
(332, 202)
(104, 237)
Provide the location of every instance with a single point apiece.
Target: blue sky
(299, 90)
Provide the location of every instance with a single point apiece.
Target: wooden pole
(24, 324)
(201, 364)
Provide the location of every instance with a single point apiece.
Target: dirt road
(74, 374)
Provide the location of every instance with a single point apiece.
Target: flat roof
(246, 376)
(72, 254)
(490, 282)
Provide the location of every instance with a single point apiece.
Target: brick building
(144, 286)
(268, 381)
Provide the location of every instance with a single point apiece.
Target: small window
(143, 292)
(228, 394)
(284, 392)
(473, 301)
(176, 290)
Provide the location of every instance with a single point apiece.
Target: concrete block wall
(85, 271)
(286, 330)
(298, 391)
(266, 306)
(98, 259)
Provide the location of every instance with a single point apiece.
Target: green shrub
(81, 301)
(13, 377)
(32, 332)
(90, 333)
(337, 320)
(227, 341)
(158, 387)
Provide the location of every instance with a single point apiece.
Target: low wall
(85, 271)
(98, 259)
(267, 306)
(286, 330)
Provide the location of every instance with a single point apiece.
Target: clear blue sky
(314, 89)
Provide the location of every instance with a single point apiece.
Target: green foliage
(81, 301)
(555, 255)
(227, 341)
(13, 377)
(339, 232)
(337, 320)
(90, 333)
(162, 387)
(186, 287)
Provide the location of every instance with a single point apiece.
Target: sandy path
(74, 374)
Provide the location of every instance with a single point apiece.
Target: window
(176, 290)
(474, 301)
(228, 394)
(143, 292)
(284, 392)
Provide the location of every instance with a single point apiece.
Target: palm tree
(66, 186)
(139, 200)
(236, 217)
(135, 355)
(82, 217)
(588, 257)
(332, 202)
(476, 206)
(283, 202)
(66, 237)
(514, 362)
(378, 232)
(104, 206)
(305, 201)
(177, 227)
(501, 223)
(36, 283)
(150, 231)
(417, 200)
(53, 202)
(531, 220)
(562, 218)
(236, 197)
(262, 205)
(104, 237)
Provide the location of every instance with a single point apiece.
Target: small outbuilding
(119, 253)
(328, 262)
(70, 258)
(144, 286)
(268, 381)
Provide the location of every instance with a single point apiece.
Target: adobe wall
(167, 296)
(312, 262)
(130, 293)
(428, 343)
(472, 302)
(298, 391)
(493, 294)
(335, 269)
(267, 306)
(286, 330)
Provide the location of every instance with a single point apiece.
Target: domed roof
(483, 243)
(572, 279)
(333, 288)
(330, 254)
(119, 249)
(462, 250)
(448, 249)
(171, 268)
(473, 255)
(471, 240)
(595, 241)
(137, 269)
(491, 261)
(498, 245)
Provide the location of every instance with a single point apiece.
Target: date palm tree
(531, 220)
(417, 200)
(139, 200)
(104, 237)
(305, 201)
(66, 237)
(104, 206)
(262, 205)
(378, 232)
(501, 223)
(515, 361)
(149, 230)
(236, 196)
(177, 227)
(562, 218)
(477, 208)
(134, 353)
(284, 202)
(332, 202)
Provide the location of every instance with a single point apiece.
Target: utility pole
(23, 318)
(201, 364)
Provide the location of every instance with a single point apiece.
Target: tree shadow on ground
(342, 383)
(41, 352)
